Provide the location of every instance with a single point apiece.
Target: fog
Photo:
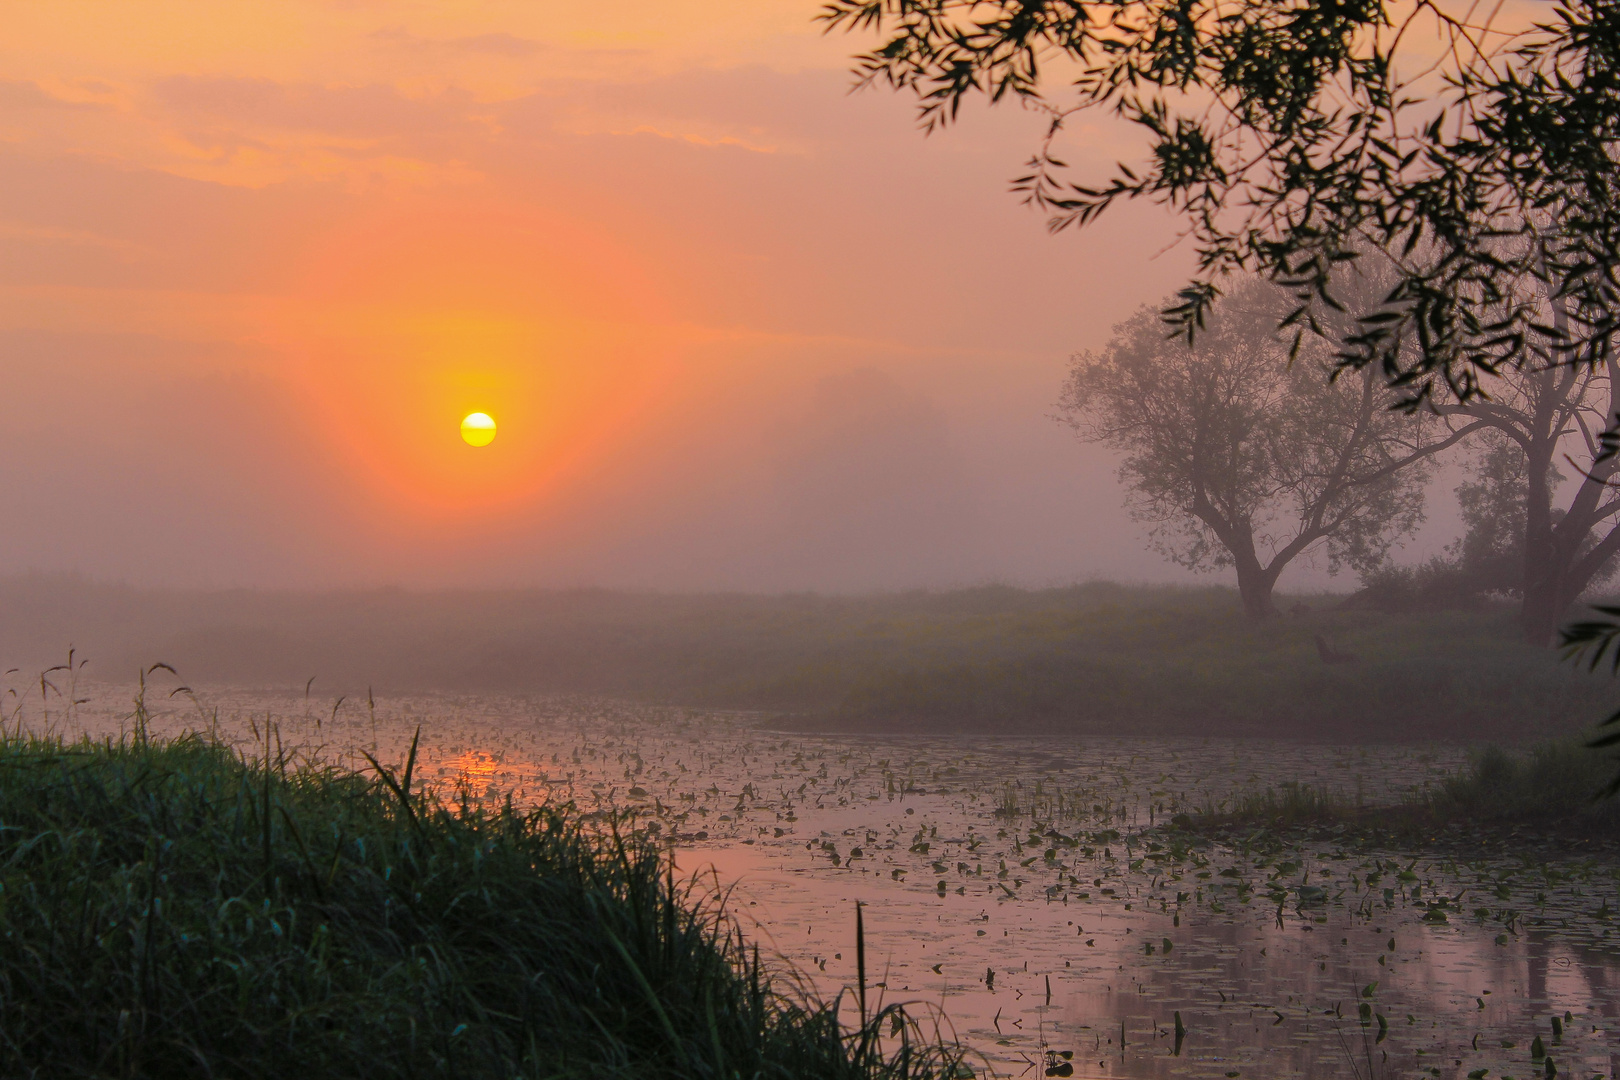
(786, 623)
(742, 329)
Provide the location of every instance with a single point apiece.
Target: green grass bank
(1112, 660)
(1094, 658)
(171, 910)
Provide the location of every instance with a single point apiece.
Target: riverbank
(1095, 659)
(173, 909)
(1033, 858)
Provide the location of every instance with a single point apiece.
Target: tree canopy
(1297, 136)
(1236, 457)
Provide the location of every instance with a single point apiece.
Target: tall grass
(1554, 783)
(171, 910)
(1553, 780)
(1288, 803)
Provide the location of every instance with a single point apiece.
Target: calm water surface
(1025, 893)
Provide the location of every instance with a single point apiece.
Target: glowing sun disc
(478, 429)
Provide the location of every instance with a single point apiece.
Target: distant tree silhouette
(1525, 537)
(1237, 457)
(1490, 553)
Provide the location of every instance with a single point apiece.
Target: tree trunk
(1542, 609)
(1255, 583)
(1556, 569)
(1553, 587)
(1543, 565)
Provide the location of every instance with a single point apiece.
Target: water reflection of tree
(1546, 952)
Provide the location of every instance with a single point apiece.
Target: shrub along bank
(1556, 787)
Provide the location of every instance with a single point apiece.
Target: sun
(478, 429)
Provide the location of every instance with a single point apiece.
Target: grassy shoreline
(170, 909)
(1096, 658)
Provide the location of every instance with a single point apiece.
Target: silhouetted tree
(1237, 457)
(1514, 509)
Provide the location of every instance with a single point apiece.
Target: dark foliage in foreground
(1595, 641)
(1473, 152)
(168, 910)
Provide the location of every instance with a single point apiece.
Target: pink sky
(740, 328)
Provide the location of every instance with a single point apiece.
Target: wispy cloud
(21, 94)
(492, 44)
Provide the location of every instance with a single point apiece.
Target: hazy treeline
(1097, 657)
(1246, 451)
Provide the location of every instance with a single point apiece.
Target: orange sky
(739, 328)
